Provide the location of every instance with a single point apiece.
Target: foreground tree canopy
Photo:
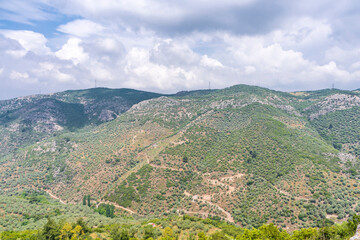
(185, 227)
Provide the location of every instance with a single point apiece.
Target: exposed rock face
(159, 103)
(271, 100)
(357, 234)
(30, 119)
(107, 115)
(107, 109)
(346, 157)
(333, 103)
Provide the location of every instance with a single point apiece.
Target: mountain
(246, 154)
(26, 120)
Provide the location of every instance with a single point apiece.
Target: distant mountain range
(247, 154)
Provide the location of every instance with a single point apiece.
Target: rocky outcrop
(271, 100)
(333, 103)
(357, 234)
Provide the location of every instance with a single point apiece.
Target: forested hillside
(27, 120)
(247, 155)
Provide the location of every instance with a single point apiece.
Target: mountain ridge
(217, 152)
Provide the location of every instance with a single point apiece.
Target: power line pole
(209, 85)
(95, 83)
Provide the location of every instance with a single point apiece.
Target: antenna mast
(209, 85)
(95, 83)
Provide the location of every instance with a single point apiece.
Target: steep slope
(246, 154)
(335, 115)
(26, 120)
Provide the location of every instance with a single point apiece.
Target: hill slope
(27, 120)
(247, 154)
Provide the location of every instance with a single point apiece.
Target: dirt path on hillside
(215, 182)
(116, 206)
(55, 197)
(97, 205)
(289, 195)
(285, 192)
(205, 199)
(233, 177)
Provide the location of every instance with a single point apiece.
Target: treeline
(185, 227)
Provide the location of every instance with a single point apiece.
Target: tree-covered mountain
(246, 154)
(27, 120)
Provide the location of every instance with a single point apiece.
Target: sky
(168, 46)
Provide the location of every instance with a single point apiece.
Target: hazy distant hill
(247, 154)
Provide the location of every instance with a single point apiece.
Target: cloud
(18, 75)
(174, 17)
(25, 11)
(270, 65)
(53, 71)
(168, 46)
(304, 34)
(210, 62)
(29, 41)
(81, 28)
(170, 53)
(170, 65)
(143, 73)
(73, 51)
(34, 72)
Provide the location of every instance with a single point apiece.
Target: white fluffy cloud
(210, 62)
(81, 28)
(170, 65)
(168, 46)
(29, 40)
(52, 71)
(72, 50)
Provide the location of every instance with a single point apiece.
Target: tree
(108, 211)
(219, 236)
(119, 234)
(80, 222)
(253, 154)
(306, 233)
(270, 231)
(337, 146)
(149, 232)
(66, 231)
(51, 230)
(88, 199)
(201, 236)
(353, 223)
(84, 200)
(250, 234)
(77, 232)
(168, 234)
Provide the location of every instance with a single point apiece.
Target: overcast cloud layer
(169, 45)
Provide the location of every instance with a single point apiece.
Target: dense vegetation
(185, 227)
(333, 129)
(26, 120)
(247, 155)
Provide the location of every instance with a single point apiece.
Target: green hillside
(247, 155)
(27, 120)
